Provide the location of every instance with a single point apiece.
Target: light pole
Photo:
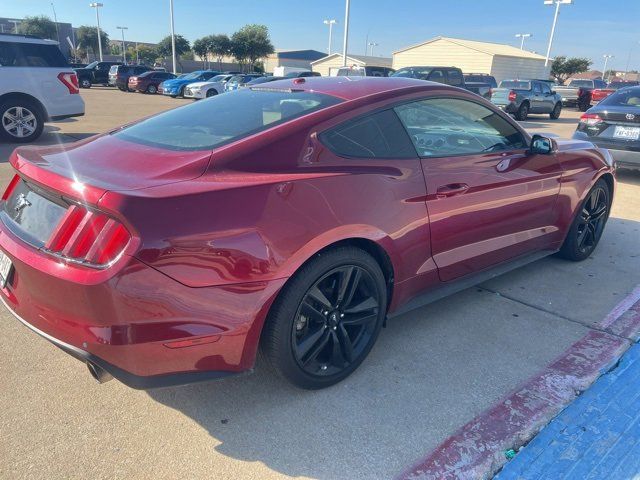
(330, 22)
(555, 20)
(97, 6)
(346, 34)
(629, 58)
(55, 19)
(124, 45)
(606, 60)
(373, 44)
(522, 36)
(173, 39)
(15, 25)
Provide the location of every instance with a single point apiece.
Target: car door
(536, 100)
(548, 98)
(437, 75)
(488, 199)
(455, 78)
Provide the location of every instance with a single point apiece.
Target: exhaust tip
(100, 374)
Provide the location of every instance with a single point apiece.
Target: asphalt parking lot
(431, 371)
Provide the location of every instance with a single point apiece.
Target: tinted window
(30, 55)
(599, 84)
(437, 76)
(379, 135)
(536, 88)
(442, 127)
(454, 77)
(628, 97)
(515, 84)
(581, 83)
(413, 72)
(375, 72)
(223, 118)
(545, 88)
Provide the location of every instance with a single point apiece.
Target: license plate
(627, 133)
(5, 268)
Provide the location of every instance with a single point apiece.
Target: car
(302, 74)
(238, 81)
(95, 73)
(148, 82)
(618, 84)
(213, 86)
(119, 75)
(36, 86)
(599, 94)
(481, 78)
(447, 75)
(522, 97)
(295, 219)
(368, 71)
(577, 93)
(175, 88)
(260, 80)
(614, 124)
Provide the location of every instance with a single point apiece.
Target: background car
(148, 82)
(95, 73)
(577, 93)
(259, 80)
(175, 88)
(237, 81)
(302, 74)
(36, 86)
(614, 124)
(448, 75)
(213, 86)
(119, 75)
(522, 97)
(480, 78)
(368, 71)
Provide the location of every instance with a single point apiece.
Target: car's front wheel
(211, 92)
(523, 112)
(555, 113)
(587, 227)
(152, 89)
(85, 83)
(21, 121)
(327, 318)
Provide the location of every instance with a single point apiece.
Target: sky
(588, 28)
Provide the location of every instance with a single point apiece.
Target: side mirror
(541, 145)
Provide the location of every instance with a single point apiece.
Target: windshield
(627, 97)
(191, 76)
(515, 84)
(419, 73)
(223, 118)
(581, 83)
(217, 78)
(92, 64)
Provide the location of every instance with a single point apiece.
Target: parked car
(175, 88)
(369, 71)
(481, 78)
(119, 75)
(77, 65)
(95, 73)
(614, 124)
(302, 74)
(522, 97)
(448, 75)
(618, 84)
(259, 80)
(213, 86)
(577, 93)
(599, 94)
(293, 218)
(148, 82)
(36, 86)
(238, 81)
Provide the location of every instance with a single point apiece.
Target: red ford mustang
(295, 217)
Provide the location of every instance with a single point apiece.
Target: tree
(218, 46)
(40, 26)
(182, 47)
(201, 48)
(563, 68)
(87, 38)
(146, 54)
(250, 43)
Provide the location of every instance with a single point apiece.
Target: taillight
(512, 96)
(590, 119)
(70, 81)
(88, 237)
(11, 187)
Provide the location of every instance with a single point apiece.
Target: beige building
(328, 66)
(501, 61)
(292, 58)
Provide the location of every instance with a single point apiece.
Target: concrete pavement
(433, 370)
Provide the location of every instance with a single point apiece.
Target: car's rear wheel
(85, 83)
(583, 106)
(21, 120)
(523, 112)
(152, 89)
(588, 225)
(555, 113)
(327, 318)
(211, 92)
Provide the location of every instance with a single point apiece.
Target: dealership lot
(432, 370)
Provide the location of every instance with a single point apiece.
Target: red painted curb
(476, 451)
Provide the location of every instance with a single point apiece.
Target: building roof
(310, 55)
(361, 60)
(484, 47)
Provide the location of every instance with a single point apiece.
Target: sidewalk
(595, 437)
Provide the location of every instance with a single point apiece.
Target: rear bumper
(509, 107)
(625, 156)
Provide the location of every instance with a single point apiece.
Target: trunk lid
(500, 96)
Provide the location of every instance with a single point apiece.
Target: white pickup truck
(36, 86)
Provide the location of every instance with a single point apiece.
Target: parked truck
(577, 93)
(522, 97)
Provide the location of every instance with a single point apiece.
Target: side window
(545, 88)
(16, 54)
(536, 88)
(375, 72)
(436, 76)
(447, 127)
(379, 135)
(454, 77)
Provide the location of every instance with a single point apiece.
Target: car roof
(352, 88)
(13, 37)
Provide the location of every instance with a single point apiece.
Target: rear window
(419, 73)
(223, 118)
(581, 83)
(15, 54)
(114, 69)
(515, 84)
(628, 97)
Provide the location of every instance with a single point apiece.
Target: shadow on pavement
(50, 136)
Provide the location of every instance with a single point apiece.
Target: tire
(152, 89)
(555, 113)
(85, 83)
(587, 226)
(523, 112)
(211, 92)
(313, 347)
(29, 115)
(181, 94)
(584, 106)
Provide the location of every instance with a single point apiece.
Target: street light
(124, 45)
(55, 19)
(626, 70)
(330, 23)
(523, 36)
(97, 6)
(373, 44)
(606, 60)
(173, 39)
(346, 34)
(555, 20)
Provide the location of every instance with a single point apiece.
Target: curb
(477, 450)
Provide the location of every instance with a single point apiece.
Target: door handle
(451, 190)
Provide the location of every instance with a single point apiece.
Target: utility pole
(522, 36)
(346, 34)
(124, 45)
(97, 6)
(555, 21)
(55, 19)
(330, 22)
(173, 40)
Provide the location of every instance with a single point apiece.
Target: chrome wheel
(592, 219)
(19, 122)
(84, 83)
